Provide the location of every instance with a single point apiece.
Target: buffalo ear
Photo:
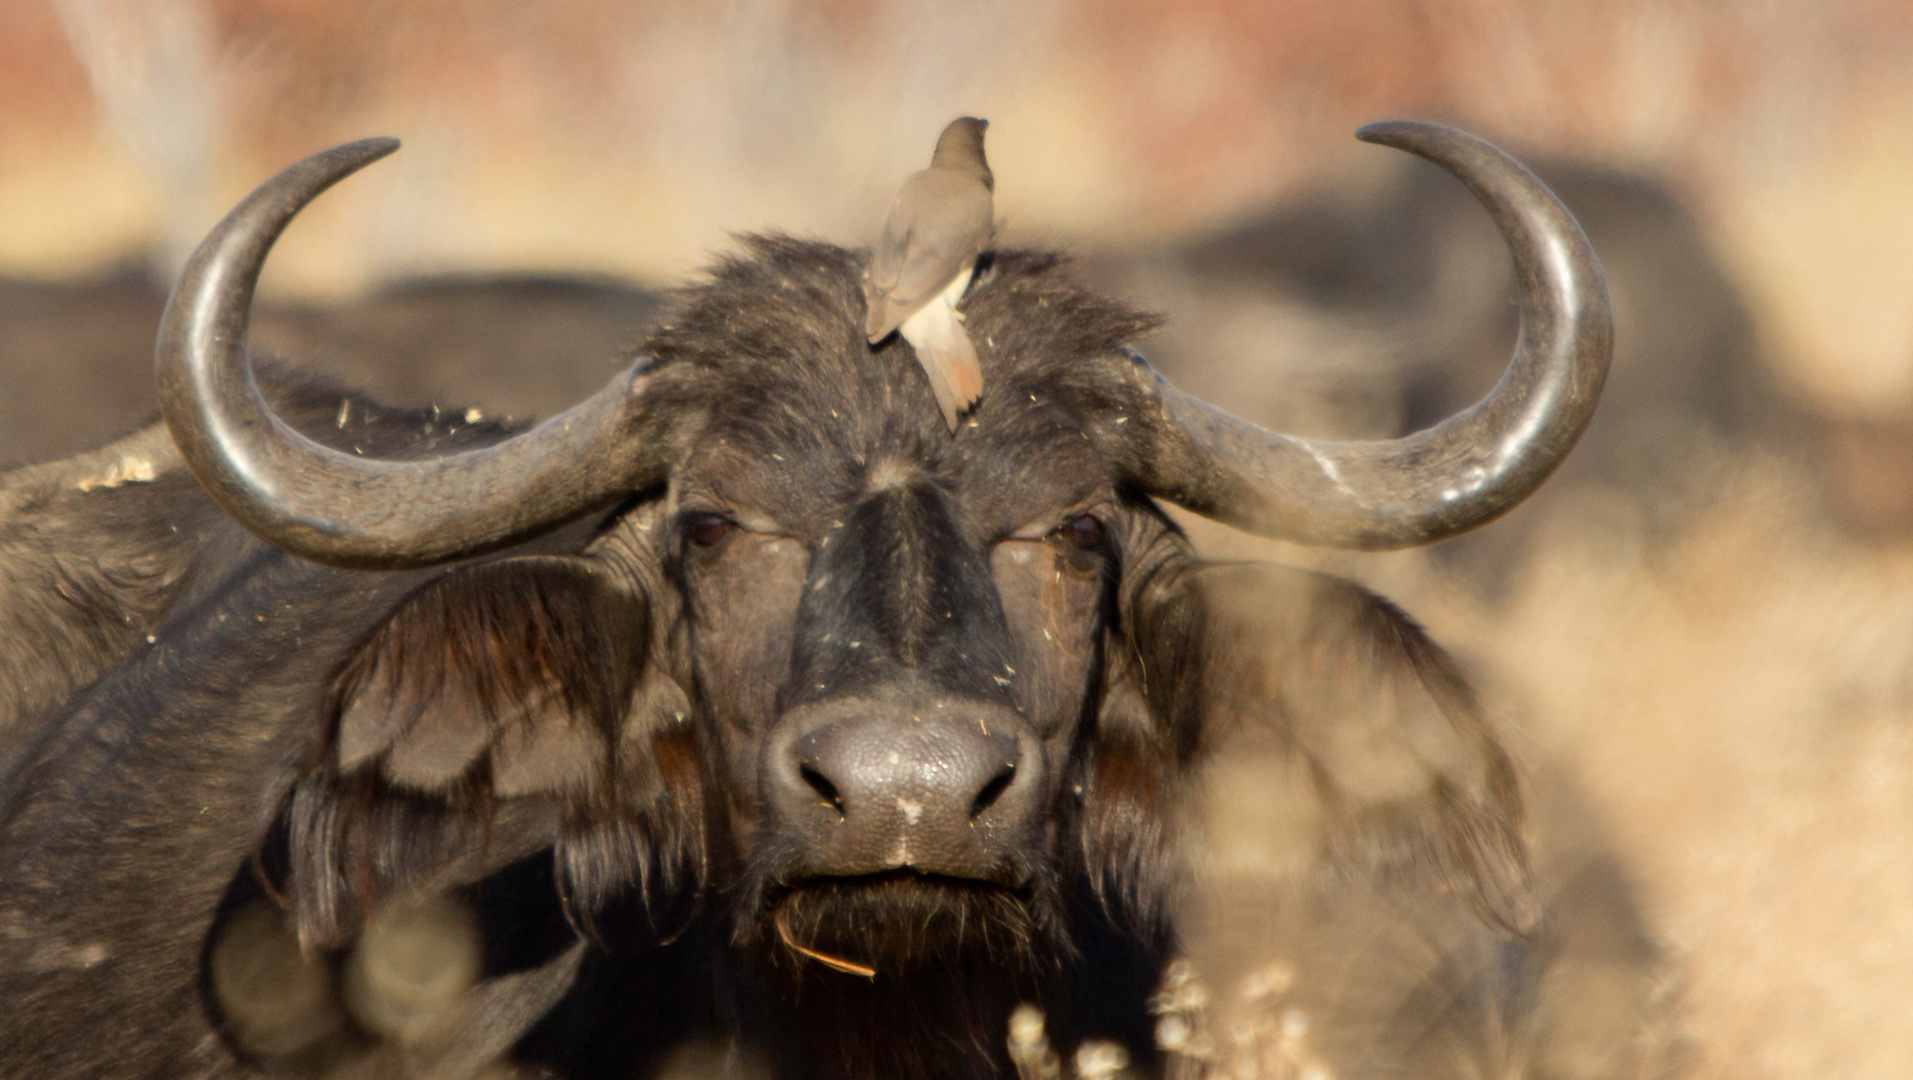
(509, 678)
(502, 709)
(1333, 727)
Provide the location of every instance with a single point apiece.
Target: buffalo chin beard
(898, 923)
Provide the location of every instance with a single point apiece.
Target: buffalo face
(896, 637)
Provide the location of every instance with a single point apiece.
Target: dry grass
(381, 1012)
(1267, 1037)
(1736, 707)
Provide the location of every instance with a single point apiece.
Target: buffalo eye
(1085, 532)
(708, 530)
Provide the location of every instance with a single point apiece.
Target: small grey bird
(941, 220)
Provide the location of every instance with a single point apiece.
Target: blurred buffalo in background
(79, 358)
(1365, 313)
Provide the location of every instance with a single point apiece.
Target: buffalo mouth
(898, 920)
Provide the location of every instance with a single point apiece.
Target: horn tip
(373, 148)
(1402, 133)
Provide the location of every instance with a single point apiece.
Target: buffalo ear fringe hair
(493, 692)
(1135, 762)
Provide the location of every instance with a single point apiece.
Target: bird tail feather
(948, 356)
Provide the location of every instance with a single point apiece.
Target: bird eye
(708, 530)
(1085, 532)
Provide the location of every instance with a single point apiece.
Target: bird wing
(886, 259)
(938, 224)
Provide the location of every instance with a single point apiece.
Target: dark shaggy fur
(595, 704)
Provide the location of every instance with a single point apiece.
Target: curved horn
(335, 508)
(1440, 481)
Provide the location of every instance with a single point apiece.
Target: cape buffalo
(744, 699)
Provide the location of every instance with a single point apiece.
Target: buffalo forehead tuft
(776, 336)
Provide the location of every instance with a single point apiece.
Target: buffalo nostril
(825, 790)
(993, 790)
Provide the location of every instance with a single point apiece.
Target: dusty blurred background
(1699, 639)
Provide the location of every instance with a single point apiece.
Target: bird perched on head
(940, 222)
